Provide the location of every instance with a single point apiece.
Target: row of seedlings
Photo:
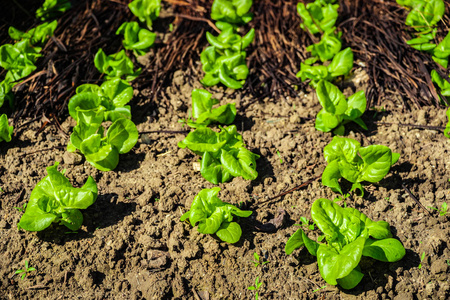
(347, 233)
(223, 154)
(54, 199)
(19, 59)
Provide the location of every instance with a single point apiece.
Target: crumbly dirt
(132, 244)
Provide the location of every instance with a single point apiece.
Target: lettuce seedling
(224, 155)
(204, 114)
(54, 199)
(224, 61)
(341, 64)
(18, 59)
(5, 130)
(215, 216)
(319, 16)
(329, 45)
(349, 235)
(424, 13)
(442, 51)
(338, 111)
(232, 11)
(146, 10)
(136, 38)
(6, 92)
(444, 85)
(346, 158)
(117, 65)
(52, 9)
(37, 35)
(112, 95)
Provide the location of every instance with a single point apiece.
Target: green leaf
(387, 250)
(83, 101)
(329, 45)
(310, 245)
(356, 105)
(377, 162)
(232, 11)
(351, 280)
(5, 130)
(334, 265)
(146, 10)
(72, 219)
(136, 38)
(52, 9)
(331, 175)
(123, 135)
(118, 91)
(342, 63)
(331, 98)
(117, 65)
(294, 242)
(229, 232)
(37, 35)
(341, 148)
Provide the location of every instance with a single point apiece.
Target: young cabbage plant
(5, 130)
(441, 52)
(18, 59)
(336, 110)
(235, 12)
(52, 9)
(117, 65)
(349, 235)
(54, 200)
(215, 216)
(204, 114)
(346, 158)
(146, 10)
(136, 38)
(341, 65)
(330, 44)
(224, 155)
(319, 16)
(37, 35)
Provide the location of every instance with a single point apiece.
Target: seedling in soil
(422, 257)
(448, 262)
(305, 223)
(25, 271)
(349, 235)
(256, 287)
(321, 288)
(442, 211)
(20, 209)
(258, 260)
(279, 155)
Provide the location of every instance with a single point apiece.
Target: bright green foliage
(346, 158)
(136, 38)
(256, 287)
(341, 64)
(90, 107)
(349, 235)
(37, 35)
(204, 114)
(18, 59)
(215, 216)
(25, 271)
(443, 84)
(54, 199)
(52, 9)
(424, 13)
(447, 127)
(117, 65)
(5, 130)
(318, 16)
(423, 41)
(442, 51)
(329, 45)
(224, 155)
(146, 10)
(224, 61)
(112, 95)
(336, 110)
(232, 11)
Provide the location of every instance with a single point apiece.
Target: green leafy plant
(25, 271)
(319, 16)
(204, 114)
(336, 110)
(305, 223)
(146, 10)
(422, 257)
(441, 52)
(256, 287)
(346, 158)
(54, 199)
(136, 38)
(224, 155)
(341, 64)
(52, 9)
(258, 261)
(232, 11)
(349, 235)
(117, 65)
(5, 130)
(215, 216)
(424, 14)
(441, 83)
(224, 61)
(328, 46)
(37, 35)
(443, 210)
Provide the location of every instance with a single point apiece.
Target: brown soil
(133, 246)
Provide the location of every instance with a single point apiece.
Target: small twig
(197, 297)
(291, 190)
(37, 287)
(210, 23)
(415, 199)
(412, 125)
(42, 150)
(164, 131)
